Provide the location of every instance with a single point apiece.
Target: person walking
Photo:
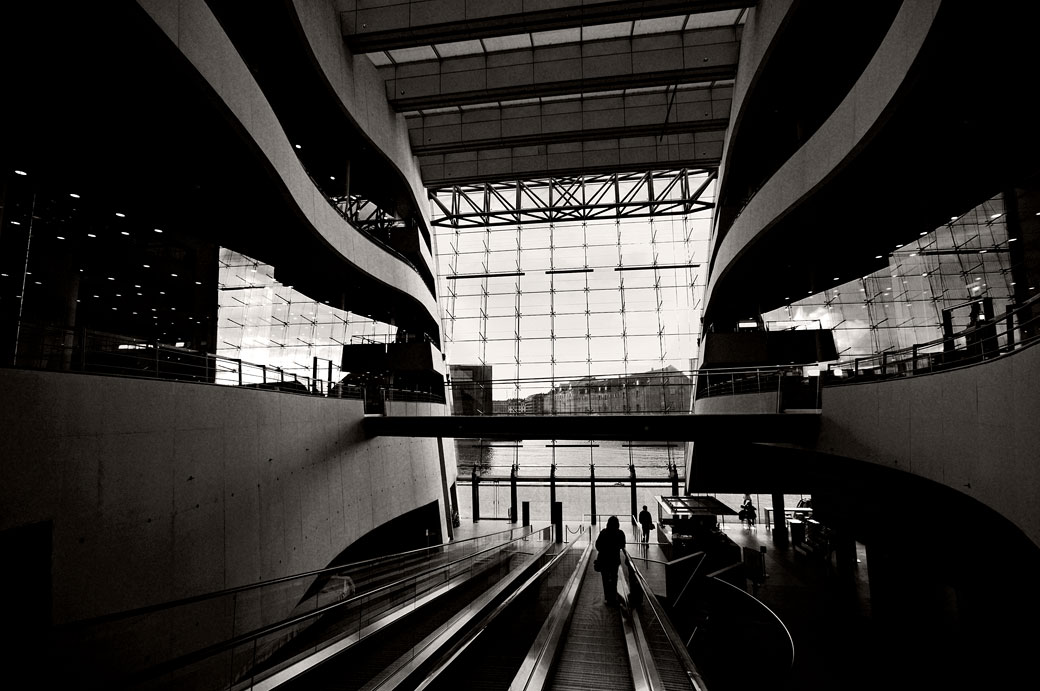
(609, 543)
(647, 523)
(748, 512)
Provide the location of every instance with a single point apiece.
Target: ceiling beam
(634, 154)
(670, 111)
(394, 24)
(654, 60)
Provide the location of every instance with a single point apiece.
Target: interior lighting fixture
(147, 266)
(924, 233)
(982, 251)
(121, 215)
(74, 195)
(878, 256)
(996, 215)
(174, 275)
(60, 237)
(124, 232)
(22, 172)
(835, 278)
(298, 146)
(1013, 239)
(111, 279)
(158, 230)
(91, 235)
(16, 223)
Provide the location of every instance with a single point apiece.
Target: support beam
(639, 154)
(507, 126)
(688, 57)
(394, 24)
(573, 198)
(718, 427)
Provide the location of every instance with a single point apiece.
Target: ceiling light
(198, 283)
(73, 195)
(158, 230)
(124, 232)
(923, 234)
(996, 215)
(174, 275)
(22, 172)
(60, 237)
(16, 223)
(982, 251)
(298, 146)
(877, 256)
(147, 266)
(91, 235)
(1013, 239)
(111, 279)
(120, 215)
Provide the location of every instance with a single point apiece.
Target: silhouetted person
(647, 523)
(609, 544)
(748, 512)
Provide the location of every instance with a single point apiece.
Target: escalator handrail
(249, 636)
(674, 640)
(413, 662)
(194, 599)
(482, 625)
(640, 658)
(534, 672)
(763, 606)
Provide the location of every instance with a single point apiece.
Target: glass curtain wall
(544, 306)
(950, 268)
(262, 322)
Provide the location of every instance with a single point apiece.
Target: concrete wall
(974, 430)
(161, 490)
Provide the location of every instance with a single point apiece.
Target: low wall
(161, 490)
(972, 429)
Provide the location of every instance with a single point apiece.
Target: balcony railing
(95, 352)
(1016, 329)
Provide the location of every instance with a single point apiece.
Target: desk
(793, 512)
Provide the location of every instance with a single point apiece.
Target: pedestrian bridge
(789, 427)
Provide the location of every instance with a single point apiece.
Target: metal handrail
(761, 605)
(985, 339)
(195, 599)
(208, 651)
(534, 672)
(674, 640)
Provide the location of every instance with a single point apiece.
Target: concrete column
(592, 487)
(552, 486)
(445, 494)
(632, 472)
(557, 519)
(780, 534)
(512, 495)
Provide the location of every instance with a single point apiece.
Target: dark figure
(609, 544)
(748, 511)
(647, 522)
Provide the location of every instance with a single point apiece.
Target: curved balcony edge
(195, 31)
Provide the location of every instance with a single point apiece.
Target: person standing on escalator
(609, 543)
